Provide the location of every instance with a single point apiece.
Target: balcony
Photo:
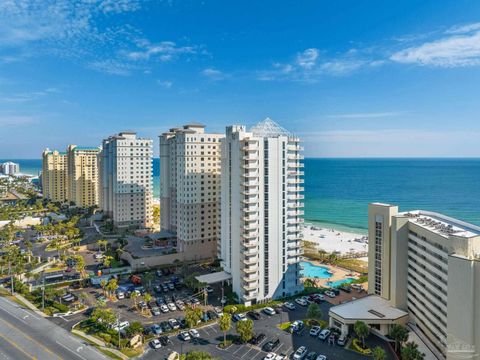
(249, 218)
(293, 261)
(250, 235)
(296, 197)
(295, 181)
(293, 189)
(250, 191)
(252, 260)
(250, 209)
(295, 157)
(295, 205)
(293, 245)
(295, 164)
(250, 165)
(250, 183)
(249, 286)
(250, 174)
(250, 296)
(250, 278)
(250, 269)
(250, 244)
(250, 157)
(250, 200)
(250, 252)
(295, 148)
(250, 227)
(295, 213)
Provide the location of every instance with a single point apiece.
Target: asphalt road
(26, 335)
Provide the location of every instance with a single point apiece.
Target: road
(26, 335)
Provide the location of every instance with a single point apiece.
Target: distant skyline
(352, 79)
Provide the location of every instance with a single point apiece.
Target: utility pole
(11, 275)
(43, 290)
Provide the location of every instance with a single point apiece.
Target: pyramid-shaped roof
(269, 128)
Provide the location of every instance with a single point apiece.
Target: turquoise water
(314, 271)
(337, 191)
(340, 282)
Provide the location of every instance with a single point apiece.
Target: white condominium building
(126, 180)
(9, 168)
(54, 175)
(261, 204)
(428, 265)
(82, 175)
(190, 188)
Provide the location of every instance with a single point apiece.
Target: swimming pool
(340, 282)
(314, 271)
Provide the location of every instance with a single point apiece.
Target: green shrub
(61, 307)
(358, 347)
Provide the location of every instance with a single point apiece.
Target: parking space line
(240, 348)
(258, 353)
(247, 352)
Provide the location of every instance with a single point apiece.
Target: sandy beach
(332, 240)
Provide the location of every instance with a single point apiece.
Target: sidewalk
(100, 344)
(30, 305)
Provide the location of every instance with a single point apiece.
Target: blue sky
(352, 78)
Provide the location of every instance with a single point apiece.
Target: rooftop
(442, 224)
(369, 308)
(269, 128)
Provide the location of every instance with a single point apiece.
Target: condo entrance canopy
(214, 278)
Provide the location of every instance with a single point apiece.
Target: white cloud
(112, 67)
(163, 51)
(308, 58)
(458, 46)
(213, 74)
(26, 96)
(165, 83)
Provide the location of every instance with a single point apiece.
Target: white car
(321, 357)
(171, 306)
(301, 302)
(270, 356)
(185, 336)
(320, 297)
(239, 317)
(180, 304)
(342, 340)
(174, 324)
(156, 344)
(122, 326)
(164, 308)
(300, 353)
(330, 294)
(269, 311)
(194, 333)
(98, 256)
(120, 295)
(290, 306)
(218, 311)
(324, 334)
(315, 330)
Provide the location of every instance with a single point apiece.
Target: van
(174, 356)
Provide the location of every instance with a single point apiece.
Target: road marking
(13, 343)
(30, 338)
(258, 353)
(246, 353)
(240, 348)
(73, 352)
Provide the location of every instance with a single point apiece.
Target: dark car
(255, 315)
(164, 340)
(346, 288)
(257, 339)
(270, 345)
(311, 356)
(278, 309)
(165, 326)
(212, 314)
(335, 291)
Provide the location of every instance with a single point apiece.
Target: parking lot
(211, 336)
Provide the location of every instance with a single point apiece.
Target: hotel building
(125, 178)
(9, 168)
(190, 188)
(54, 175)
(82, 175)
(426, 265)
(261, 202)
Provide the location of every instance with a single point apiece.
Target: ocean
(337, 191)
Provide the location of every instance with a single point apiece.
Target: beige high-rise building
(428, 264)
(54, 175)
(82, 175)
(125, 180)
(190, 188)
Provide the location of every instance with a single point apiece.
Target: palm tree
(225, 323)
(378, 353)
(134, 297)
(362, 330)
(103, 284)
(410, 352)
(147, 298)
(103, 243)
(398, 333)
(112, 286)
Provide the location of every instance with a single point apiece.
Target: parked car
(218, 311)
(194, 333)
(155, 311)
(330, 294)
(312, 355)
(120, 295)
(185, 336)
(121, 326)
(321, 357)
(301, 301)
(346, 288)
(342, 340)
(335, 291)
(180, 305)
(171, 306)
(289, 306)
(324, 334)
(164, 308)
(239, 317)
(315, 330)
(300, 353)
(269, 311)
(164, 340)
(155, 344)
(257, 339)
(270, 356)
(307, 299)
(255, 315)
(174, 324)
(271, 345)
(156, 329)
(165, 326)
(297, 326)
